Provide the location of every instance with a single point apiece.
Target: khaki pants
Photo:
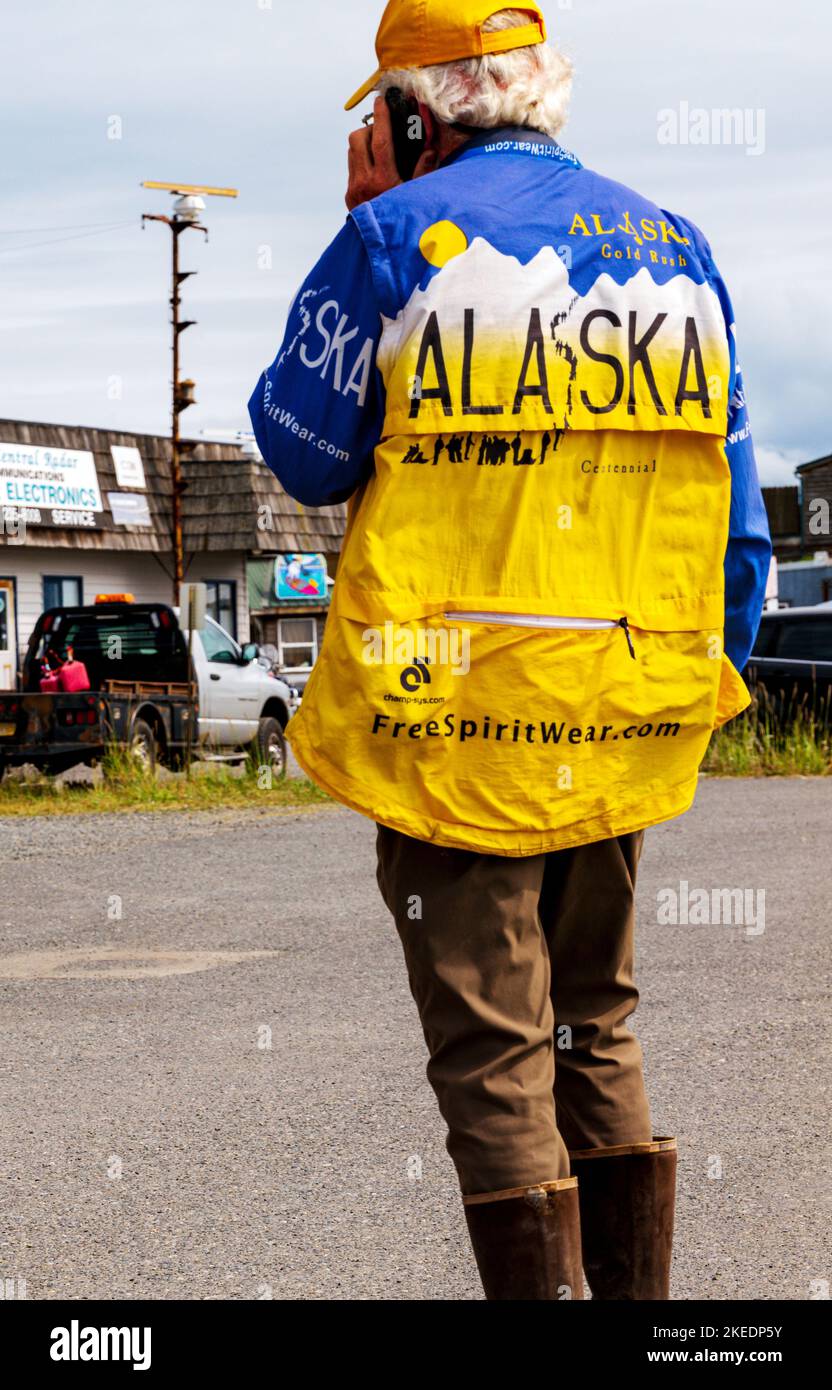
(522, 972)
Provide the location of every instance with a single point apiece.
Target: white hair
(524, 87)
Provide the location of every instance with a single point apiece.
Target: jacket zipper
(541, 621)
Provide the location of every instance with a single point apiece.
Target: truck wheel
(143, 746)
(269, 747)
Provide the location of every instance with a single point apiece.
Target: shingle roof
(232, 501)
(823, 462)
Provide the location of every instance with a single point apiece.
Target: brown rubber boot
(627, 1197)
(527, 1241)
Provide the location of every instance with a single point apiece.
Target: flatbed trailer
(154, 690)
(56, 730)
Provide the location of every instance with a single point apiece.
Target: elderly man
(523, 377)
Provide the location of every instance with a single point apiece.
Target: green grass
(758, 745)
(754, 745)
(127, 787)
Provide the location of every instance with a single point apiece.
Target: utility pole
(186, 214)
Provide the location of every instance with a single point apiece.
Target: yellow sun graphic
(441, 242)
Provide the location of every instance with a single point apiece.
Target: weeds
(766, 741)
(773, 739)
(126, 785)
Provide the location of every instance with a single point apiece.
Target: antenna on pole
(187, 210)
(186, 189)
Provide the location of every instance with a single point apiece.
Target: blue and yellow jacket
(523, 376)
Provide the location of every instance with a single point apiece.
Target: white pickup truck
(241, 705)
(116, 672)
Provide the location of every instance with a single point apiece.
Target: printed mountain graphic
(494, 339)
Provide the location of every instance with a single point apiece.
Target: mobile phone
(408, 131)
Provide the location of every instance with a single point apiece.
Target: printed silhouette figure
(414, 455)
(523, 460)
(438, 450)
(493, 451)
(455, 449)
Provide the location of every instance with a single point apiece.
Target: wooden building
(800, 530)
(292, 623)
(87, 511)
(816, 503)
(783, 509)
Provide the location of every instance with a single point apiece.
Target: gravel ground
(145, 958)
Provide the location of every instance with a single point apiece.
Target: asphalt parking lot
(212, 1074)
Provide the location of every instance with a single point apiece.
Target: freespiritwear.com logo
(77, 1343)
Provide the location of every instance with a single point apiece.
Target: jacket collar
(512, 140)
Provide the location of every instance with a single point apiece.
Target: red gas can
(73, 677)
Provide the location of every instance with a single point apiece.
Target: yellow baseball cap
(417, 33)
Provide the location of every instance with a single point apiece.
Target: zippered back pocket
(547, 622)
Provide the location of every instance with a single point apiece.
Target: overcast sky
(250, 94)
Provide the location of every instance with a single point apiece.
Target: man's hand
(372, 161)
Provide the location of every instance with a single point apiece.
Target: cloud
(250, 94)
(776, 467)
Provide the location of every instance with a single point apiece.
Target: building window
(297, 643)
(222, 603)
(62, 591)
